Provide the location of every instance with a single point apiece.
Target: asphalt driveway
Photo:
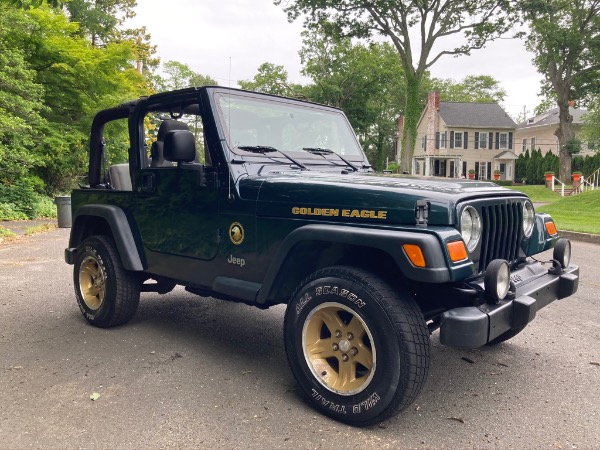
(196, 372)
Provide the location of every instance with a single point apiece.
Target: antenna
(229, 194)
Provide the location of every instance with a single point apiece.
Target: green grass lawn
(577, 213)
(538, 194)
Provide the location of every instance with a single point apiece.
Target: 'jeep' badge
(236, 233)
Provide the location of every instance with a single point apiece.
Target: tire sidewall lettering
(375, 397)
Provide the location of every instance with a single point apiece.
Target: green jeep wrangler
(265, 200)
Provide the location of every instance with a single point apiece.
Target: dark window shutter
(489, 170)
(477, 140)
(437, 139)
(497, 140)
(452, 139)
(466, 140)
(491, 139)
(477, 170)
(510, 140)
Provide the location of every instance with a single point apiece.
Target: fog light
(497, 280)
(562, 252)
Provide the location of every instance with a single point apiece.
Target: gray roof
(475, 115)
(551, 118)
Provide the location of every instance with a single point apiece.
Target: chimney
(433, 106)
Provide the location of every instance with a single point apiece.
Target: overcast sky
(208, 34)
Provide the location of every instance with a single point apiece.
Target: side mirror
(180, 146)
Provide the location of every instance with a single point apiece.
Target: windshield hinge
(422, 212)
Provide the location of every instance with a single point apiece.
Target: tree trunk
(564, 133)
(411, 117)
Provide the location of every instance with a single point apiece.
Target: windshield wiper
(268, 149)
(326, 151)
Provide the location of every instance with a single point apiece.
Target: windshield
(264, 122)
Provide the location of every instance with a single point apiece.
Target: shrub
(45, 207)
(10, 211)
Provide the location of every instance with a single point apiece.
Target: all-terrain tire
(107, 294)
(358, 348)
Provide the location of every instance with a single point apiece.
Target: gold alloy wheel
(92, 282)
(338, 348)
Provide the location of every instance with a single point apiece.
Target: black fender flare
(387, 240)
(121, 232)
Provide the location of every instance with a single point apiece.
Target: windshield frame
(284, 106)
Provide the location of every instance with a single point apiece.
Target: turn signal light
(551, 228)
(415, 255)
(457, 251)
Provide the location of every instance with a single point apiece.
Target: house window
(532, 144)
(417, 168)
(503, 141)
(458, 141)
(524, 144)
(483, 140)
(443, 139)
(424, 142)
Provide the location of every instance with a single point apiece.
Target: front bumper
(474, 326)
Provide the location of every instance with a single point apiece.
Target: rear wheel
(107, 294)
(358, 349)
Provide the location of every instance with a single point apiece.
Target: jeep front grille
(502, 232)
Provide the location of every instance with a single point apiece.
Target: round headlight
(497, 280)
(528, 218)
(562, 252)
(470, 227)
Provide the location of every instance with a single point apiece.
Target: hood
(361, 197)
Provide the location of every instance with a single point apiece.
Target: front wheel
(107, 294)
(358, 349)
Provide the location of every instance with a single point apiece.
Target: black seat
(157, 149)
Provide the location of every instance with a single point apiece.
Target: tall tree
(100, 19)
(271, 79)
(366, 81)
(477, 22)
(473, 88)
(177, 75)
(565, 38)
(20, 100)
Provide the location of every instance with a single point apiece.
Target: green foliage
(405, 22)
(531, 167)
(178, 76)
(586, 165)
(53, 79)
(591, 127)
(27, 4)
(10, 211)
(99, 19)
(573, 146)
(545, 105)
(272, 79)
(366, 81)
(565, 39)
(473, 88)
